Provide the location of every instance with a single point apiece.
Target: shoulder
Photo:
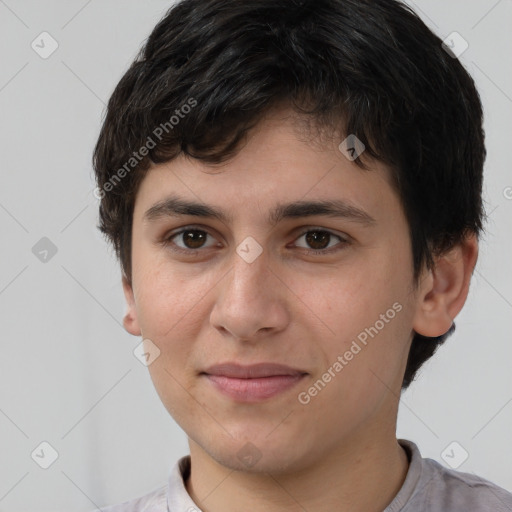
(174, 494)
(154, 501)
(433, 487)
(450, 490)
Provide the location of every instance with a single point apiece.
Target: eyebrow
(174, 206)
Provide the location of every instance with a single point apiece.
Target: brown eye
(188, 240)
(193, 238)
(318, 241)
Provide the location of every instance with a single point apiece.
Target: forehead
(277, 164)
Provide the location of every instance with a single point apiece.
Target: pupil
(189, 239)
(313, 237)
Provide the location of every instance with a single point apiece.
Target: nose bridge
(249, 299)
(250, 272)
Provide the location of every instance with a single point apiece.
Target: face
(329, 295)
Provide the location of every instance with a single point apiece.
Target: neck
(360, 476)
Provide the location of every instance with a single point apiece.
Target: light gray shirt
(428, 487)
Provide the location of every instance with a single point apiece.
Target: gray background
(68, 375)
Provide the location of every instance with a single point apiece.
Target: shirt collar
(178, 499)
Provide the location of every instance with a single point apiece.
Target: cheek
(368, 316)
(171, 312)
(351, 299)
(168, 301)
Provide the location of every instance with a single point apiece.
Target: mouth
(252, 383)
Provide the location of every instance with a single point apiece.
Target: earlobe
(444, 290)
(130, 320)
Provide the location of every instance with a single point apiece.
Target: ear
(130, 321)
(443, 290)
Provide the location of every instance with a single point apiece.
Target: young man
(294, 192)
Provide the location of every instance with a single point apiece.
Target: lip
(253, 383)
(252, 371)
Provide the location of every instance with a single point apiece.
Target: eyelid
(306, 229)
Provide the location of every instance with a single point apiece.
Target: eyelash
(168, 243)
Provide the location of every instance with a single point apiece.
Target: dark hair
(370, 68)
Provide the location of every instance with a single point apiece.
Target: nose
(250, 301)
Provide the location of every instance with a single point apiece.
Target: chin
(257, 455)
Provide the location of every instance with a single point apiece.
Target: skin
(339, 451)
